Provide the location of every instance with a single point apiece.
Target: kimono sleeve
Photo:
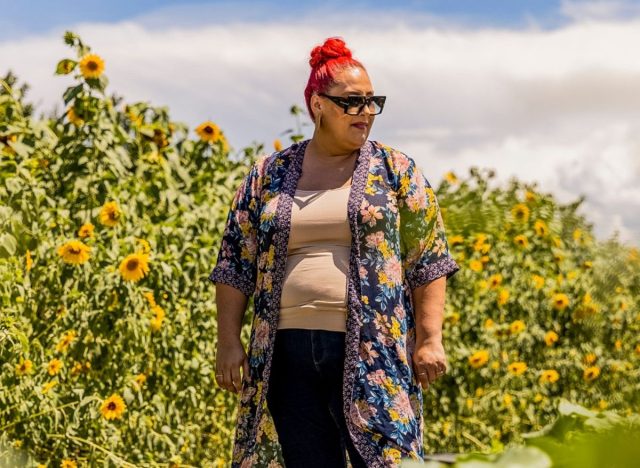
(236, 262)
(424, 245)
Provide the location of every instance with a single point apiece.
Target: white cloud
(559, 107)
(581, 10)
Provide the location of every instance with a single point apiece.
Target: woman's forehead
(353, 79)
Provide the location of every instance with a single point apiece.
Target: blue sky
(21, 18)
(543, 91)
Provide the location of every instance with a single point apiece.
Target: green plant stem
(107, 452)
(475, 441)
(3, 428)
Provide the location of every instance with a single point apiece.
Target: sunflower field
(111, 216)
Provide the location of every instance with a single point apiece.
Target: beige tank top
(314, 292)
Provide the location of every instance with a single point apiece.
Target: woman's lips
(361, 126)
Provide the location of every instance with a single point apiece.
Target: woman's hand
(429, 361)
(230, 356)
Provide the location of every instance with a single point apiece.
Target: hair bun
(333, 48)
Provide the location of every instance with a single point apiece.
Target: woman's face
(350, 130)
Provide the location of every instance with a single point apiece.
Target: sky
(544, 91)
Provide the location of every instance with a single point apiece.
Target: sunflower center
(74, 251)
(112, 406)
(208, 130)
(92, 65)
(132, 264)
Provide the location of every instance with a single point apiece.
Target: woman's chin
(358, 136)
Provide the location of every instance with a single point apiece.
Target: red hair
(326, 61)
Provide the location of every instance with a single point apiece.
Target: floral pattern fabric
(398, 244)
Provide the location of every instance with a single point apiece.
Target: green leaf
(71, 93)
(8, 245)
(567, 408)
(22, 150)
(65, 66)
(13, 184)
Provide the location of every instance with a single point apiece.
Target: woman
(341, 243)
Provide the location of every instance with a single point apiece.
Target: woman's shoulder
(396, 160)
(266, 161)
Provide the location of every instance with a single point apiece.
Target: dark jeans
(305, 399)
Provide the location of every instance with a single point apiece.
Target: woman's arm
(429, 359)
(428, 301)
(231, 304)
(235, 278)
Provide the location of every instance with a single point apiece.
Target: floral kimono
(398, 243)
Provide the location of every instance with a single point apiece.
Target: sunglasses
(355, 103)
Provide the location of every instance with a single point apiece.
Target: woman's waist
(319, 249)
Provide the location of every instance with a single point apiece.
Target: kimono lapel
(280, 240)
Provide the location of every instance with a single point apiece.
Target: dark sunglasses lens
(355, 103)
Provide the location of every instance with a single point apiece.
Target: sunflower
(541, 228)
(550, 338)
(209, 132)
(589, 358)
(503, 296)
(475, 265)
(520, 212)
(529, 196)
(113, 407)
(149, 297)
(156, 321)
(66, 339)
(495, 280)
(451, 177)
(110, 214)
(74, 251)
(538, 281)
(517, 326)
(68, 464)
(86, 230)
(160, 138)
(28, 262)
(517, 368)
(479, 243)
(134, 266)
(139, 380)
(277, 145)
(25, 366)
(91, 66)
(479, 358)
(549, 376)
(146, 248)
(224, 143)
(521, 240)
(74, 118)
(560, 301)
(48, 386)
(455, 240)
(591, 373)
(54, 366)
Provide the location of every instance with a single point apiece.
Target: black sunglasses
(354, 104)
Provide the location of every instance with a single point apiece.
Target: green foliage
(577, 438)
(151, 341)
